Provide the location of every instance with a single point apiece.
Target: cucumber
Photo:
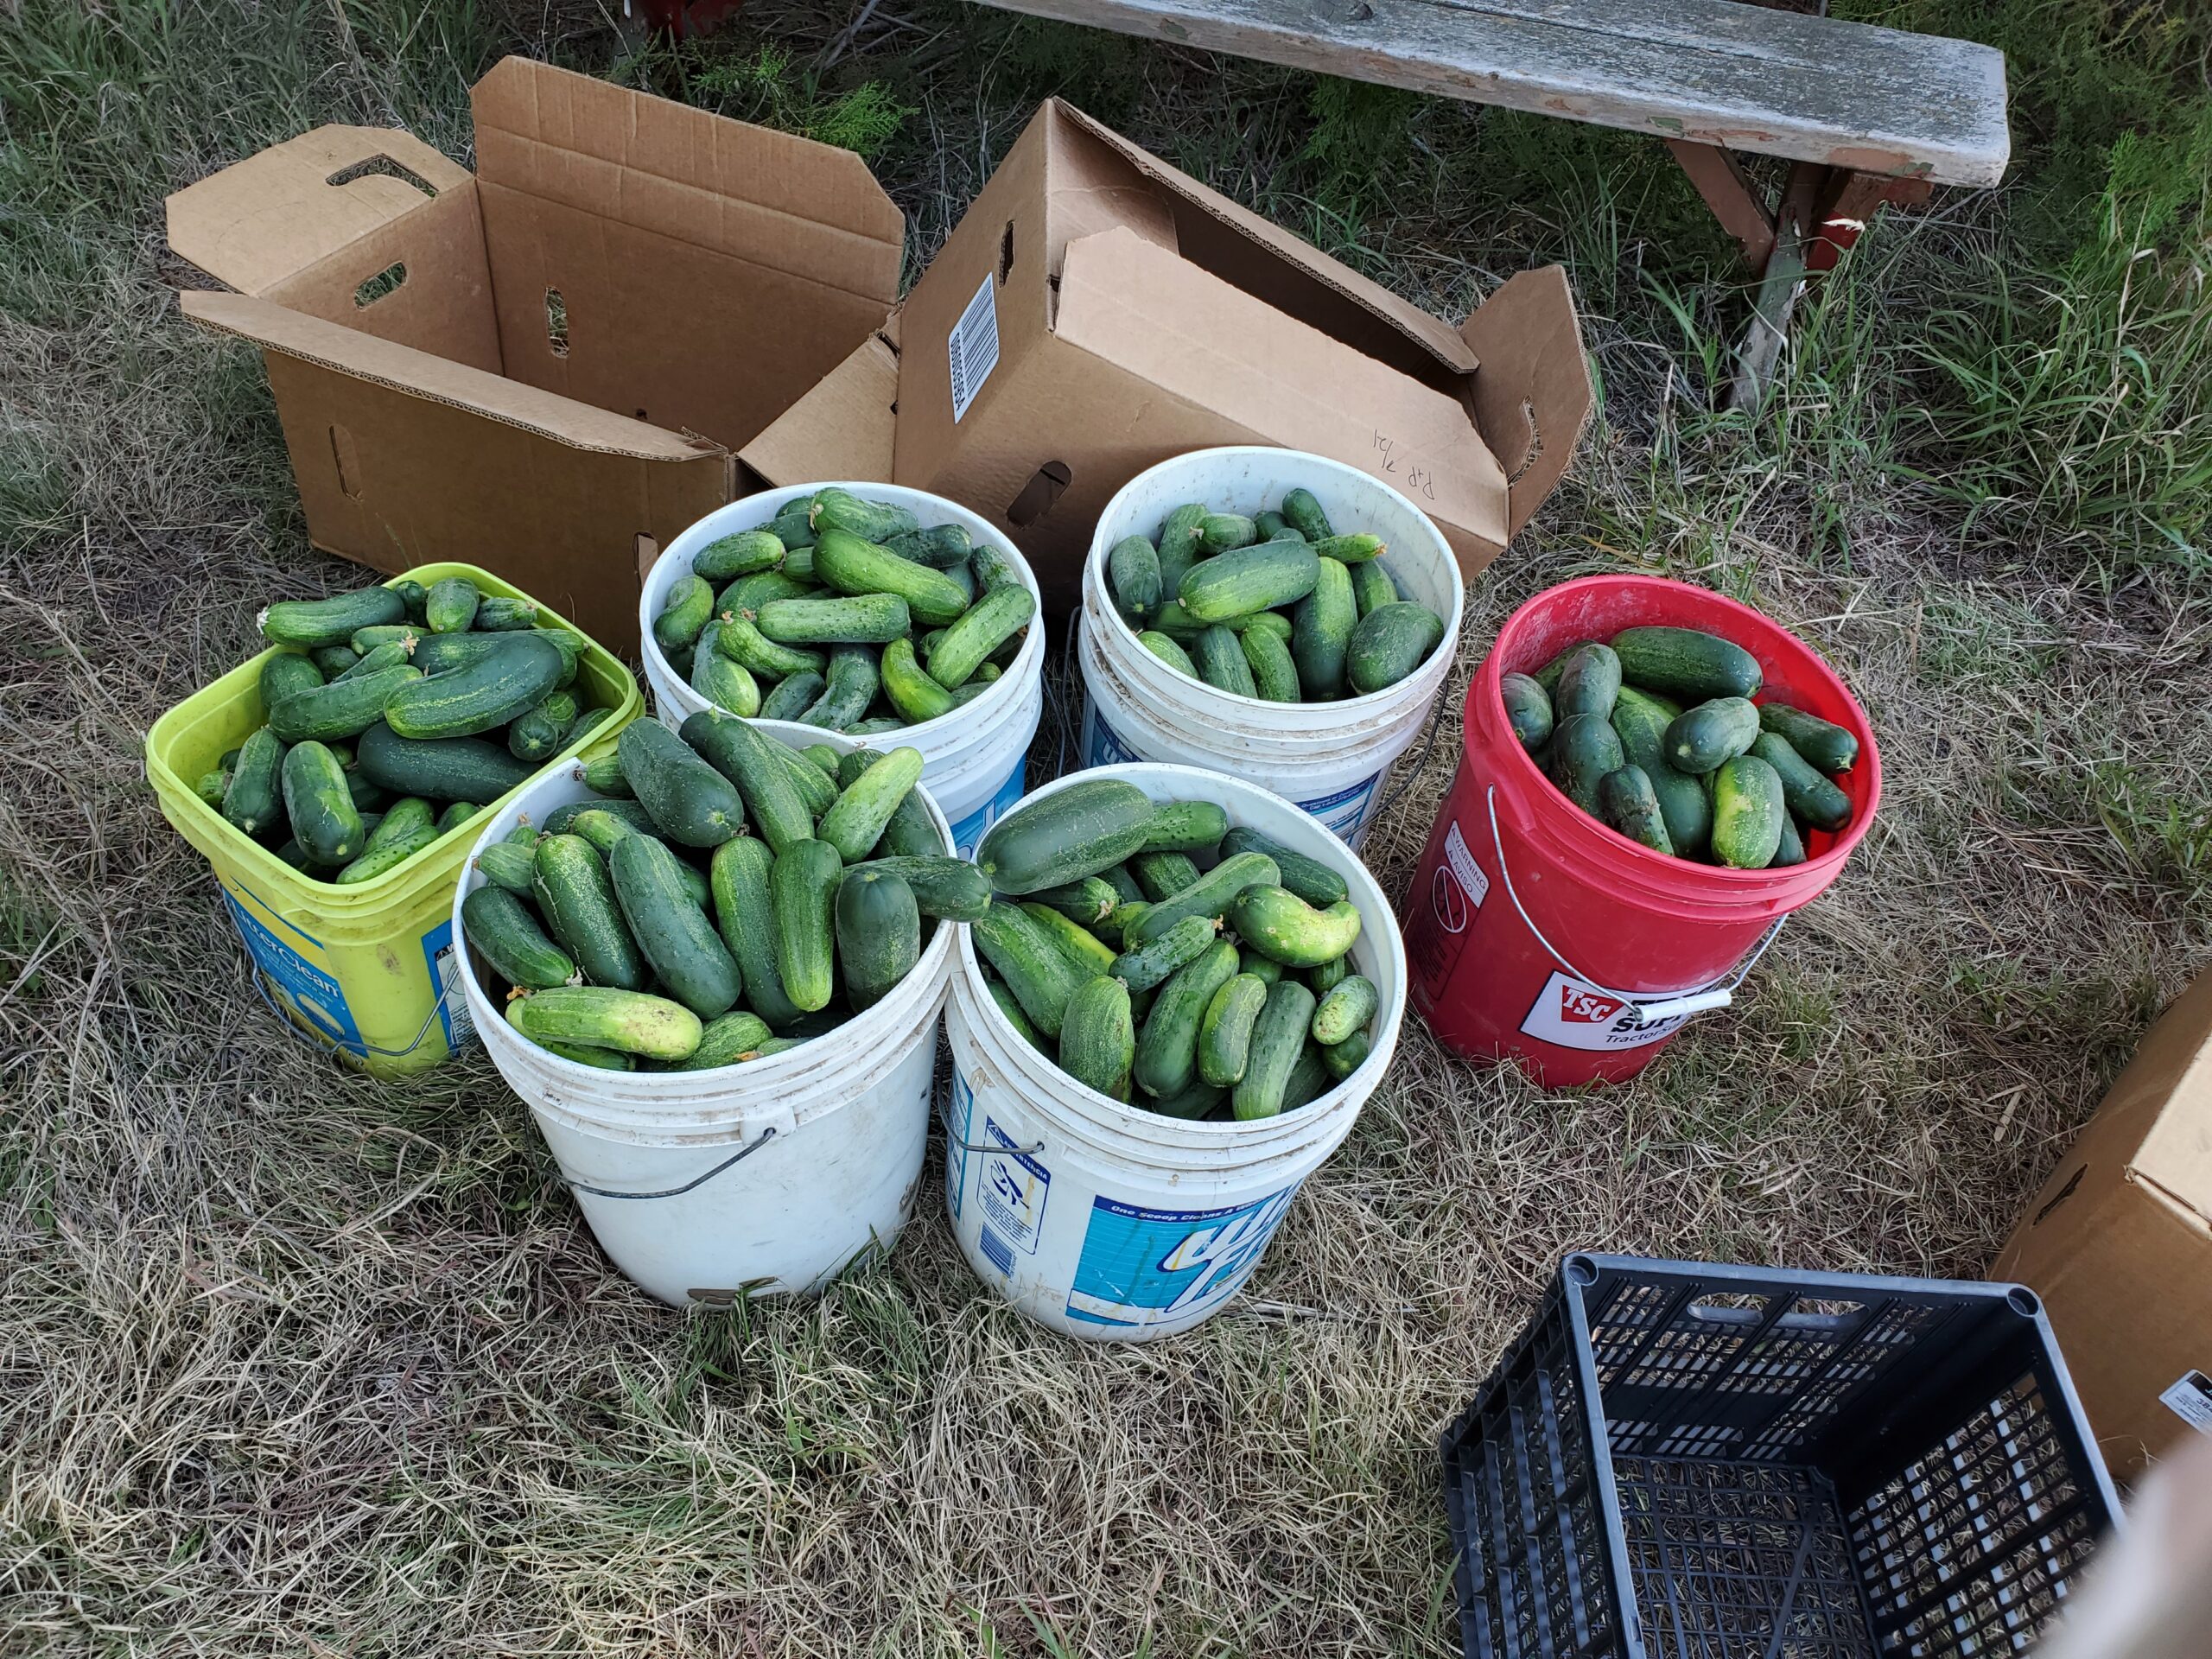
(414, 596)
(1010, 1006)
(378, 857)
(503, 864)
(1144, 966)
(1221, 532)
(1086, 903)
(1167, 1049)
(310, 623)
(862, 811)
(721, 679)
(1162, 647)
(365, 640)
(1179, 545)
(793, 527)
(1687, 663)
(254, 803)
(479, 697)
(571, 647)
(1321, 633)
(747, 917)
(1273, 527)
(497, 614)
(1098, 1039)
(1162, 875)
(1700, 739)
(1086, 952)
(1186, 827)
(1588, 682)
(671, 931)
(1122, 917)
(1528, 711)
(989, 623)
(1827, 746)
(992, 567)
(862, 619)
(600, 1017)
(749, 552)
(378, 656)
(1076, 831)
(1310, 878)
(751, 592)
(1278, 1039)
(606, 1059)
(1250, 579)
(502, 930)
(1357, 549)
(756, 763)
(1640, 720)
(1808, 793)
(1264, 968)
(1225, 1030)
(945, 889)
(850, 687)
(537, 734)
(1277, 923)
(909, 688)
(447, 769)
(1372, 587)
(1133, 573)
(726, 1040)
(578, 902)
(834, 509)
(802, 892)
(1309, 1077)
(1200, 1100)
(1390, 642)
(438, 653)
(1220, 658)
(692, 803)
(212, 786)
(826, 759)
(1748, 812)
(1124, 883)
(562, 820)
(343, 708)
(750, 649)
(320, 808)
(941, 547)
(333, 660)
(1325, 978)
(1215, 894)
(450, 604)
(1274, 675)
(1025, 956)
(1304, 514)
(910, 834)
(1348, 1008)
(1341, 1059)
(793, 697)
(851, 565)
(285, 673)
(1789, 846)
(1628, 803)
(1584, 749)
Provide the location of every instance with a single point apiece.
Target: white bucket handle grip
(735, 1157)
(1690, 1002)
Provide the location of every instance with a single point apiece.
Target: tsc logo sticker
(1574, 1013)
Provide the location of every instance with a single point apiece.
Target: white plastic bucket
(764, 1177)
(1330, 757)
(1109, 1222)
(972, 758)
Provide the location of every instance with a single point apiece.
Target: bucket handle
(1690, 1002)
(331, 1045)
(737, 1157)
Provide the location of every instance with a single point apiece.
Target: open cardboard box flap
(534, 365)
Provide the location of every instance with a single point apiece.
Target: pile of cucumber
(1279, 607)
(1220, 993)
(720, 897)
(852, 615)
(383, 703)
(1655, 734)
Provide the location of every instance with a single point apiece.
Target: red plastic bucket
(1534, 932)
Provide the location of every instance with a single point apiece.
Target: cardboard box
(534, 367)
(1096, 312)
(2118, 1245)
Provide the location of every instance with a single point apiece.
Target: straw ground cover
(294, 1362)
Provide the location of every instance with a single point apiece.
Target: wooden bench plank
(1848, 95)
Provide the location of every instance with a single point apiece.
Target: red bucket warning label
(1574, 1013)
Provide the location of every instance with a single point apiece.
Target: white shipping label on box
(2191, 1399)
(974, 348)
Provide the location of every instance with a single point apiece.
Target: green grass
(294, 1360)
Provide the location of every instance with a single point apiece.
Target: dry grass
(296, 1363)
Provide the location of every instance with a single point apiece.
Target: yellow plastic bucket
(368, 972)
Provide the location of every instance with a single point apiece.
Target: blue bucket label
(969, 832)
(1011, 1187)
(1341, 812)
(1139, 1266)
(309, 993)
(444, 963)
(1344, 811)
(1102, 744)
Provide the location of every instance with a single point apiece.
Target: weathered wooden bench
(1863, 115)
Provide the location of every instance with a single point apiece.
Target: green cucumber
(1310, 878)
(1322, 627)
(993, 567)
(793, 697)
(1823, 745)
(570, 645)
(1221, 665)
(1249, 579)
(502, 930)
(1123, 881)
(310, 623)
(692, 803)
(685, 613)
(1687, 663)
(1186, 827)
(1789, 846)
(802, 891)
(562, 820)
(254, 803)
(1273, 526)
(1278, 1040)
(988, 624)
(1810, 794)
(749, 552)
(1341, 1059)
(1026, 957)
(910, 834)
(1584, 749)
(504, 863)
(1304, 514)
(1528, 710)
(862, 811)
(1390, 642)
(343, 708)
(941, 547)
(1178, 541)
(1164, 648)
(671, 931)
(1133, 573)
(1075, 831)
(1700, 739)
(1328, 976)
(909, 688)
(1010, 1006)
(335, 660)
(851, 565)
(751, 592)
(578, 902)
(756, 763)
(726, 1040)
(1214, 895)
(1098, 1039)
(479, 697)
(946, 889)
(1200, 1100)
(377, 657)
(1627, 803)
(827, 759)
(1220, 533)
(414, 596)
(833, 509)
(1264, 968)
(212, 786)
(721, 679)
(1359, 547)
(1086, 952)
(1086, 903)
(445, 769)
(605, 1059)
(862, 618)
(1143, 966)
(285, 673)
(320, 806)
(747, 917)
(1277, 923)
(1122, 917)
(740, 640)
(537, 734)
(1163, 874)
(1748, 812)
(1225, 1030)
(378, 857)
(602, 1017)
(793, 527)
(450, 604)
(1309, 1078)
(439, 653)
(850, 686)
(1588, 682)
(1167, 1048)
(498, 614)
(1348, 1008)
(1274, 675)
(1372, 587)
(1640, 720)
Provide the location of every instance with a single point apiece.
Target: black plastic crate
(1682, 1461)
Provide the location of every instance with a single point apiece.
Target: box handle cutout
(1005, 253)
(556, 322)
(390, 280)
(346, 458)
(380, 167)
(1040, 492)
